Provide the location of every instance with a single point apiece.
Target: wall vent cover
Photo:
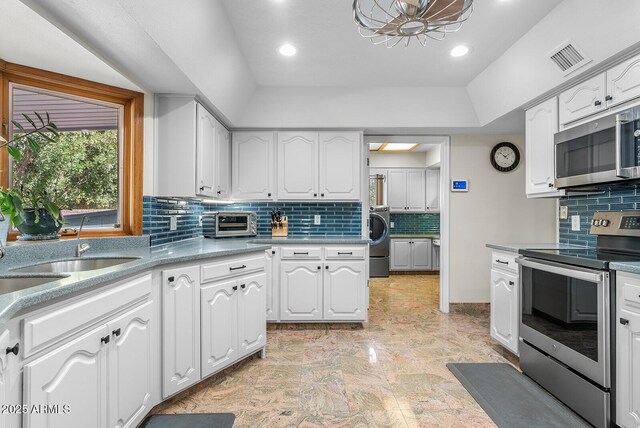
(568, 57)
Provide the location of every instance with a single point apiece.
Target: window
(94, 167)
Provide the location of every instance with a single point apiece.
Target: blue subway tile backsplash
(337, 218)
(616, 198)
(407, 224)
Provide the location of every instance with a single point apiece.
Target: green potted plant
(32, 211)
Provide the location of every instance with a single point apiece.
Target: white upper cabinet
(584, 99)
(340, 166)
(205, 157)
(541, 125)
(190, 161)
(297, 165)
(433, 190)
(623, 82)
(223, 163)
(406, 190)
(252, 165)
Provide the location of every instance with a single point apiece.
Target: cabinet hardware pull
(273, 251)
(315, 194)
(350, 253)
(14, 350)
(171, 279)
(219, 192)
(269, 194)
(322, 194)
(511, 283)
(238, 268)
(550, 184)
(234, 288)
(608, 98)
(243, 286)
(624, 321)
(202, 189)
(105, 339)
(598, 103)
(326, 267)
(501, 262)
(319, 267)
(116, 333)
(301, 254)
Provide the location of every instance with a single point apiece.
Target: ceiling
(331, 51)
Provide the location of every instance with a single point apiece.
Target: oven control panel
(616, 223)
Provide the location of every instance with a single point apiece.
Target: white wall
(397, 160)
(433, 156)
(495, 210)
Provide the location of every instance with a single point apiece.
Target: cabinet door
(205, 153)
(623, 82)
(541, 125)
(397, 190)
(628, 369)
(181, 328)
(131, 366)
(252, 323)
(416, 190)
(300, 291)
(400, 254)
(433, 190)
(340, 166)
(345, 290)
(223, 163)
(583, 100)
(435, 259)
(4, 375)
(73, 375)
(273, 283)
(504, 309)
(297, 165)
(252, 165)
(421, 254)
(219, 326)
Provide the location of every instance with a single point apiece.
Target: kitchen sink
(75, 265)
(9, 285)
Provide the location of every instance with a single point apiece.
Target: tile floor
(389, 373)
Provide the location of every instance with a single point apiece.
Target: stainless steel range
(567, 310)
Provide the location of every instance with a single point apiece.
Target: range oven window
(562, 308)
(233, 223)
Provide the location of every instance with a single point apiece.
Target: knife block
(280, 228)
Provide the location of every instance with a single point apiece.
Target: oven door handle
(621, 119)
(562, 269)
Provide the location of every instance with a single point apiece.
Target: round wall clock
(505, 157)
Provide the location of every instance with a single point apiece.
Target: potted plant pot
(44, 229)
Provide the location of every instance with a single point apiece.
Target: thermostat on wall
(459, 185)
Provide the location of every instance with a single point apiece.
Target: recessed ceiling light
(288, 50)
(396, 147)
(459, 51)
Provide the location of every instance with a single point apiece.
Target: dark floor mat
(511, 399)
(195, 420)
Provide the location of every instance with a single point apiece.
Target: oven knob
(555, 347)
(596, 222)
(605, 223)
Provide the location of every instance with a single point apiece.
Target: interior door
(206, 152)
(219, 312)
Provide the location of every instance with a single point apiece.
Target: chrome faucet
(81, 248)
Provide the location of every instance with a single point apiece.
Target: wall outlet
(575, 223)
(393, 225)
(200, 221)
(316, 219)
(564, 212)
(173, 222)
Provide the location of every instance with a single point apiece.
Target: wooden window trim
(133, 138)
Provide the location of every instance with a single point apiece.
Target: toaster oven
(223, 224)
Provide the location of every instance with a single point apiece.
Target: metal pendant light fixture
(394, 21)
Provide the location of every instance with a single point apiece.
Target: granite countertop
(514, 248)
(190, 250)
(630, 267)
(414, 235)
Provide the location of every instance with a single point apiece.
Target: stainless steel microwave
(601, 151)
(222, 224)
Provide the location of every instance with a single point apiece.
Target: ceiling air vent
(569, 57)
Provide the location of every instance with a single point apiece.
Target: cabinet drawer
(504, 261)
(43, 330)
(306, 253)
(227, 268)
(344, 253)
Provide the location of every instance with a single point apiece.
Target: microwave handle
(621, 119)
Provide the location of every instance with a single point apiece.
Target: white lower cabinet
(180, 329)
(413, 254)
(505, 299)
(7, 366)
(301, 291)
(252, 331)
(344, 293)
(628, 350)
(103, 378)
(272, 269)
